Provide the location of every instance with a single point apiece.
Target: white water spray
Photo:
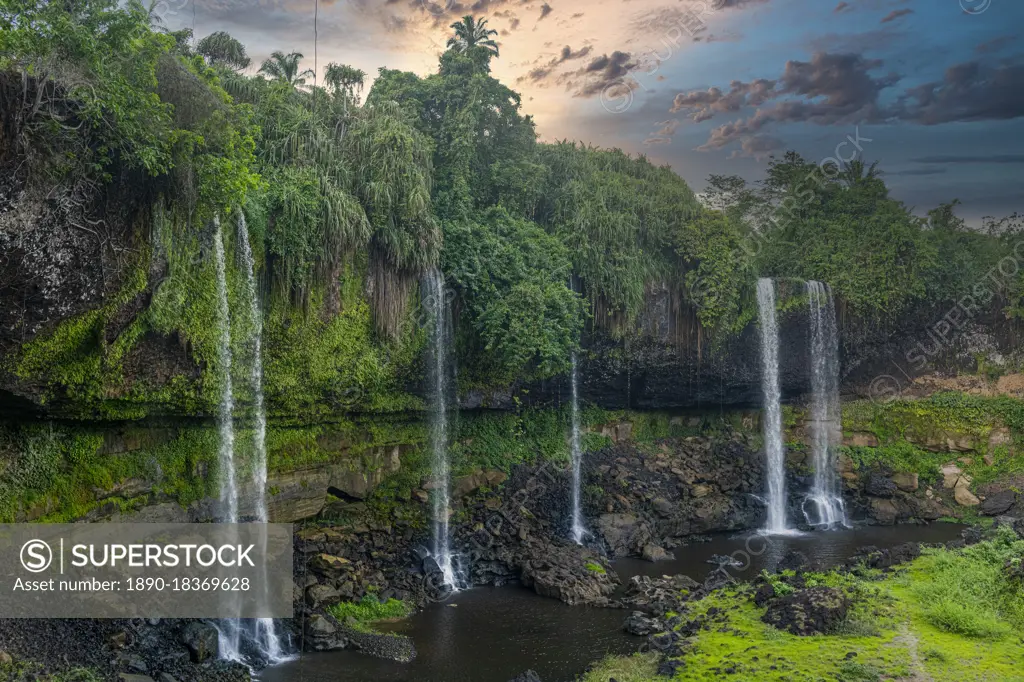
(440, 349)
(265, 636)
(226, 453)
(579, 531)
(824, 505)
(776, 459)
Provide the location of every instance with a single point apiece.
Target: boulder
(880, 486)
(884, 511)
(998, 503)
(625, 534)
(653, 552)
(322, 635)
(642, 625)
(131, 677)
(814, 611)
(951, 474)
(321, 594)
(964, 497)
(906, 482)
(201, 639)
(861, 439)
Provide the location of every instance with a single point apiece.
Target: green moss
(595, 568)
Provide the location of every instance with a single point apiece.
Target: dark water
(493, 634)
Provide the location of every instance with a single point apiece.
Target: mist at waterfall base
(440, 369)
(772, 413)
(823, 506)
(241, 639)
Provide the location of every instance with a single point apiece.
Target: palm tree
(343, 78)
(472, 33)
(221, 48)
(285, 67)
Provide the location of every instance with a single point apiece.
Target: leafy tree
(285, 67)
(344, 79)
(220, 49)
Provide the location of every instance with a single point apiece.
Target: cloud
(958, 159)
(705, 104)
(896, 14)
(545, 10)
(968, 92)
(758, 147)
(842, 7)
(604, 72)
(664, 134)
(829, 89)
(540, 73)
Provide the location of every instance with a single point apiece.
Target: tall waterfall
(265, 635)
(579, 531)
(824, 506)
(772, 409)
(260, 633)
(440, 387)
(226, 453)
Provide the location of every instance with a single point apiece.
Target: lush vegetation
(361, 615)
(349, 203)
(952, 614)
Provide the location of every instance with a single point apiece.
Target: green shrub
(368, 610)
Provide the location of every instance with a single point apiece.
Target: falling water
(772, 409)
(226, 454)
(265, 636)
(824, 505)
(440, 349)
(579, 531)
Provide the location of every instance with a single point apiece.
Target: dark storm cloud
(896, 14)
(831, 88)
(542, 72)
(758, 146)
(604, 72)
(545, 10)
(968, 92)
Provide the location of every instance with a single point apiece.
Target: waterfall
(265, 636)
(579, 531)
(824, 506)
(440, 386)
(776, 458)
(259, 633)
(226, 453)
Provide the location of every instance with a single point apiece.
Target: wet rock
(880, 486)
(132, 677)
(201, 639)
(528, 676)
(887, 558)
(816, 610)
(998, 503)
(653, 552)
(639, 624)
(625, 534)
(794, 561)
(765, 593)
(971, 536)
(321, 634)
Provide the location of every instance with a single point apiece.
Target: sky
(933, 90)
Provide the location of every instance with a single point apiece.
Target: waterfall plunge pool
(492, 634)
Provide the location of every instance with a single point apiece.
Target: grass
(362, 614)
(17, 671)
(636, 668)
(951, 615)
(595, 568)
